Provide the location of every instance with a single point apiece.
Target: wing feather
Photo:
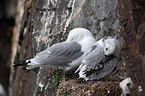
(94, 57)
(59, 54)
(106, 70)
(97, 65)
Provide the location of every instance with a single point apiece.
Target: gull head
(77, 34)
(110, 45)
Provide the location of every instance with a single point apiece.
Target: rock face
(46, 22)
(132, 21)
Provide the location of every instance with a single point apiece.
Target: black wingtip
(19, 63)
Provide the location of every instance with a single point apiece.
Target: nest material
(90, 88)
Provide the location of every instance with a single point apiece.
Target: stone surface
(132, 18)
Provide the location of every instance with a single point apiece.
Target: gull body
(65, 55)
(100, 60)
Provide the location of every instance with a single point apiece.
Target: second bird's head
(110, 45)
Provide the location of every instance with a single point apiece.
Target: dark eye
(106, 49)
(129, 85)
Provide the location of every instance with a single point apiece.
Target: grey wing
(40, 57)
(106, 69)
(98, 65)
(94, 57)
(59, 54)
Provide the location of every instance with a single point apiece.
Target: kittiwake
(65, 55)
(100, 60)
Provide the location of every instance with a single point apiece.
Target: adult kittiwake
(65, 55)
(100, 60)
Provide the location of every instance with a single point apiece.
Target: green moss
(55, 78)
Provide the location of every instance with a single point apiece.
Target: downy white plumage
(126, 85)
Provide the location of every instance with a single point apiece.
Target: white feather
(126, 85)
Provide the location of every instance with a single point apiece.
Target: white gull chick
(65, 55)
(100, 60)
(126, 85)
